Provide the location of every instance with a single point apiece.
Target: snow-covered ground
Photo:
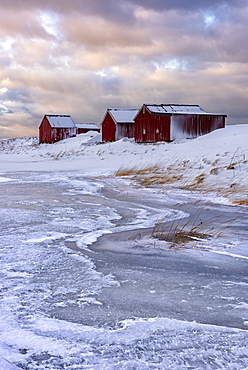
(219, 159)
(127, 301)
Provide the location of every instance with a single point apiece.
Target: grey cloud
(101, 33)
(5, 61)
(111, 9)
(111, 85)
(19, 95)
(185, 5)
(4, 110)
(25, 24)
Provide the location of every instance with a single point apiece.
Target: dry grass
(179, 236)
(231, 166)
(198, 180)
(160, 179)
(183, 240)
(198, 230)
(151, 175)
(135, 171)
(188, 236)
(192, 233)
(214, 171)
(237, 159)
(230, 191)
(182, 175)
(198, 184)
(241, 202)
(178, 174)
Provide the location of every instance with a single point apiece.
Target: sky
(80, 57)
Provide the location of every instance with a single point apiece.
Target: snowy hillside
(215, 162)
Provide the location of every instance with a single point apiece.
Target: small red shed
(82, 128)
(55, 128)
(168, 122)
(118, 123)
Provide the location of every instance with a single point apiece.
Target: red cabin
(118, 123)
(167, 122)
(55, 128)
(82, 128)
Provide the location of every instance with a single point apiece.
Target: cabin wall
(84, 130)
(124, 130)
(45, 131)
(151, 127)
(62, 133)
(48, 134)
(184, 126)
(108, 128)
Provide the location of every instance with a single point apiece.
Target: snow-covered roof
(60, 121)
(123, 115)
(90, 126)
(175, 108)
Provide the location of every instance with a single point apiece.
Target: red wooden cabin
(167, 122)
(118, 123)
(56, 127)
(82, 128)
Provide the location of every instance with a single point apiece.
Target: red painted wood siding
(62, 133)
(48, 134)
(151, 127)
(108, 128)
(45, 131)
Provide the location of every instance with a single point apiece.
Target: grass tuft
(153, 175)
(135, 171)
(194, 232)
(241, 202)
(214, 171)
(188, 175)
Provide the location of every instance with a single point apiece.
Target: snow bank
(218, 160)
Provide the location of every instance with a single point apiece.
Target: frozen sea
(84, 286)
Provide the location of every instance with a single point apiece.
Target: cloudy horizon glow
(82, 57)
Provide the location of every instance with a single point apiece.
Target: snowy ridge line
(18, 145)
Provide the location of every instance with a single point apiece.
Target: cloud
(187, 6)
(82, 57)
(23, 25)
(94, 32)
